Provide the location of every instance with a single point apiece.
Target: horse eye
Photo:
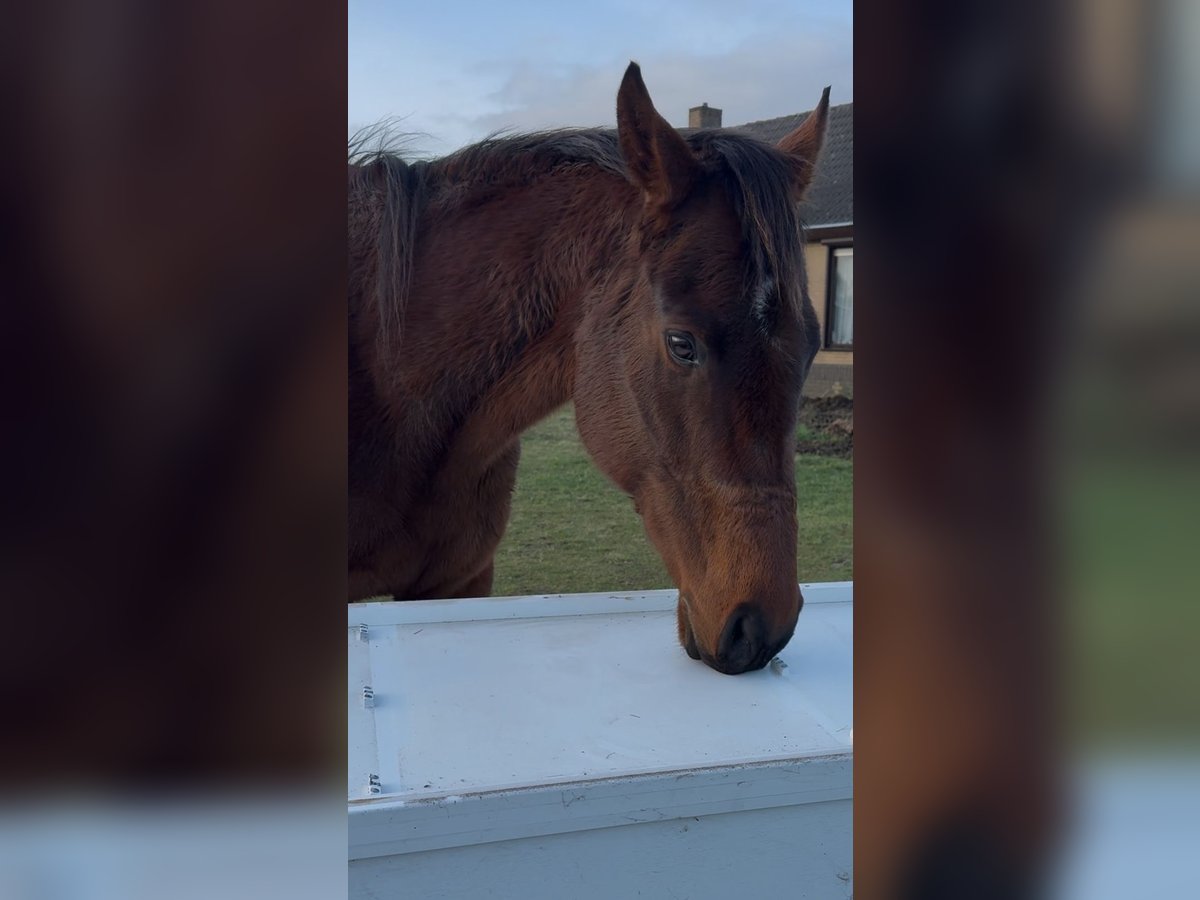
(682, 348)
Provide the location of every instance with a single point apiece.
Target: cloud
(760, 79)
(763, 60)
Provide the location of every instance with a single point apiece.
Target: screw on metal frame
(363, 632)
(373, 784)
(368, 696)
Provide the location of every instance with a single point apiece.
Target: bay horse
(655, 280)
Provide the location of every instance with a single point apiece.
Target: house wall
(833, 370)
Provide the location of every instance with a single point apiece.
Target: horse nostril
(742, 641)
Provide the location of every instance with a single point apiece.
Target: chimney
(704, 116)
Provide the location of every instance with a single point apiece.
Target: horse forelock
(757, 178)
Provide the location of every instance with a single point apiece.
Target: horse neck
(570, 258)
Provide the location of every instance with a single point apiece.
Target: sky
(449, 73)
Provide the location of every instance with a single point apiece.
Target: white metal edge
(421, 612)
(388, 828)
(362, 744)
(827, 591)
(435, 796)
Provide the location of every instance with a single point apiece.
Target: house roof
(830, 199)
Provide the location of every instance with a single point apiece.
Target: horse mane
(757, 176)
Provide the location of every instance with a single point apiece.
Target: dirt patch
(826, 426)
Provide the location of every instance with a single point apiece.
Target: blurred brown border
(172, 268)
(984, 168)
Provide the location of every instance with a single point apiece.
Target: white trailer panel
(565, 746)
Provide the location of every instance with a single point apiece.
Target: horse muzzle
(746, 642)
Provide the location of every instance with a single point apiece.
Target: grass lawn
(571, 530)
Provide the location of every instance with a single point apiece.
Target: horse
(656, 281)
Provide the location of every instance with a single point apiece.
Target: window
(840, 320)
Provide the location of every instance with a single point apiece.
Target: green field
(571, 530)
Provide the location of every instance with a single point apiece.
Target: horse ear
(804, 145)
(658, 158)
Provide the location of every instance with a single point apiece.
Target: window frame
(830, 287)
